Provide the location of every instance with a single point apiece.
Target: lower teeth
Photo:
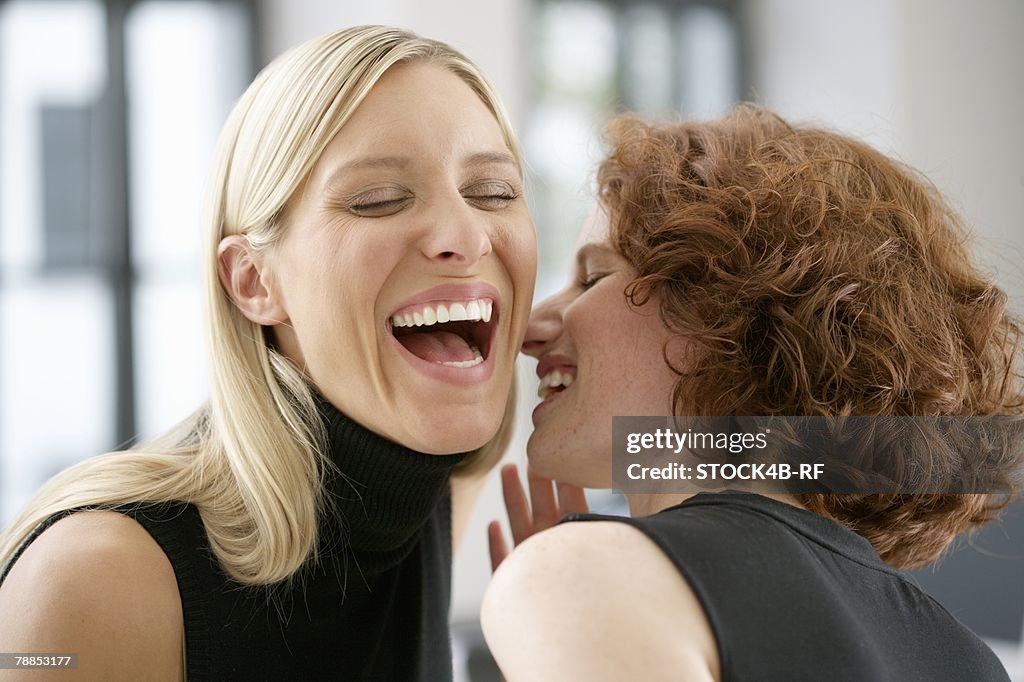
(477, 359)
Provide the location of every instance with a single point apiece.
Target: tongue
(437, 346)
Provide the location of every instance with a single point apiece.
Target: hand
(523, 520)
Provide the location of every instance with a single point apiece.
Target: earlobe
(240, 270)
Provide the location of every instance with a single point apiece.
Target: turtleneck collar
(381, 492)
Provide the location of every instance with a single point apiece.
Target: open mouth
(454, 334)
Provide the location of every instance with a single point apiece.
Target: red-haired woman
(751, 267)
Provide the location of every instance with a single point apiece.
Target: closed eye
(378, 202)
(591, 279)
(379, 209)
(491, 195)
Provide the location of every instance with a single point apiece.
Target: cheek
(655, 379)
(328, 292)
(602, 327)
(331, 301)
(518, 249)
(528, 246)
(622, 352)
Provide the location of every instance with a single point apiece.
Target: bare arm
(94, 584)
(596, 601)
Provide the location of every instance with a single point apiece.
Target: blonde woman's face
(598, 357)
(408, 263)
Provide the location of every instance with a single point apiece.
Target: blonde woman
(370, 262)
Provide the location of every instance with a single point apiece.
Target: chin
(450, 444)
(545, 460)
(568, 466)
(453, 433)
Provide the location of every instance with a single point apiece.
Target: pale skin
(595, 600)
(96, 583)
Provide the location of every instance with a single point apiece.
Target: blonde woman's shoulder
(595, 600)
(94, 584)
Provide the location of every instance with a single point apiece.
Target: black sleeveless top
(793, 596)
(375, 605)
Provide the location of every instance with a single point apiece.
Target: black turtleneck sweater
(374, 607)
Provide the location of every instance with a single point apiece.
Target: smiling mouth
(451, 333)
(554, 382)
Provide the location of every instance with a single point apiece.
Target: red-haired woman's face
(598, 357)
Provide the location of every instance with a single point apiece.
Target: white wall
(964, 107)
(936, 82)
(492, 33)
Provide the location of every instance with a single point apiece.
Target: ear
(240, 269)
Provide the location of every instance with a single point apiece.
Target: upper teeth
(431, 313)
(552, 380)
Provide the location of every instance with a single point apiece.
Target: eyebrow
(364, 164)
(483, 158)
(374, 162)
(401, 162)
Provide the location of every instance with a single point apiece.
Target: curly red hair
(813, 275)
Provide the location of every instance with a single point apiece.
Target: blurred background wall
(109, 110)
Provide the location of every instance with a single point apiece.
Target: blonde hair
(253, 460)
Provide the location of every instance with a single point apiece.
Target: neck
(378, 494)
(648, 504)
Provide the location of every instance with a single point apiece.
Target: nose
(545, 326)
(457, 235)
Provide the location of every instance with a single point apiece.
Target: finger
(571, 499)
(520, 519)
(542, 497)
(497, 545)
